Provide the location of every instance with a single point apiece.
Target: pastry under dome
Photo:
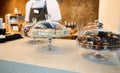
(47, 28)
(99, 39)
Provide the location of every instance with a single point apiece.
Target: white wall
(109, 14)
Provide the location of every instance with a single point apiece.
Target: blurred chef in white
(38, 9)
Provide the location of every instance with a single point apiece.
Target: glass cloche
(99, 42)
(99, 38)
(48, 28)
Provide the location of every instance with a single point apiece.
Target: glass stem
(49, 43)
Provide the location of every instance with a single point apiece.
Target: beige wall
(80, 11)
(109, 14)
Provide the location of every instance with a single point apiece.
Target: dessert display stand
(100, 45)
(49, 30)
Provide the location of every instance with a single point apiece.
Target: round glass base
(105, 59)
(49, 49)
(98, 56)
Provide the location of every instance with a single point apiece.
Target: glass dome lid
(45, 28)
(48, 25)
(99, 39)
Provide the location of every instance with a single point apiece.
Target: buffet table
(21, 56)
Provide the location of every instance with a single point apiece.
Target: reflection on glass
(48, 17)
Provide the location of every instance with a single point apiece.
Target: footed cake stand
(49, 48)
(49, 30)
(99, 43)
(104, 56)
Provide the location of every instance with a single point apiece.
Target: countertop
(69, 57)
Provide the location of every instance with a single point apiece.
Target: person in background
(37, 9)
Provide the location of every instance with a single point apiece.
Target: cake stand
(100, 46)
(49, 30)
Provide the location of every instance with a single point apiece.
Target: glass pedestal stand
(49, 48)
(101, 55)
(104, 56)
(101, 58)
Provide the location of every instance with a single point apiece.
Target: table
(69, 59)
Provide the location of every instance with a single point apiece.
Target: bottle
(65, 23)
(1, 22)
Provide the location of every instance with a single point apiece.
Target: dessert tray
(99, 44)
(49, 30)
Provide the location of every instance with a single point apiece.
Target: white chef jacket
(52, 8)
